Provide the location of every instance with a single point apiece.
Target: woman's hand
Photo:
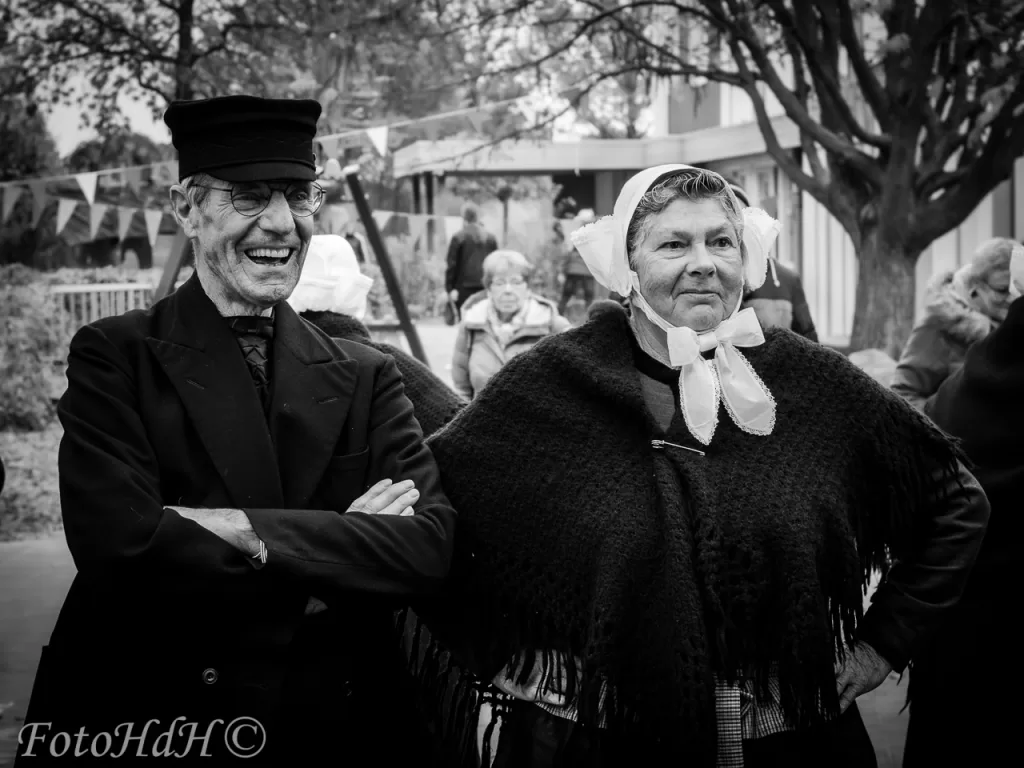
(387, 498)
(864, 671)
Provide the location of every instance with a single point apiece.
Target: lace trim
(771, 401)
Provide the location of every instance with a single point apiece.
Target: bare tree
(156, 50)
(909, 112)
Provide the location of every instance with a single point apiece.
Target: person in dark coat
(780, 302)
(469, 247)
(247, 500)
(332, 294)
(960, 713)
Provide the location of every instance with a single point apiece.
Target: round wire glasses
(304, 199)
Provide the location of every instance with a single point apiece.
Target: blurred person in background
(504, 322)
(332, 294)
(466, 253)
(961, 712)
(962, 308)
(576, 278)
(780, 302)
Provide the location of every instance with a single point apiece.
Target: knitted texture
(658, 568)
(434, 402)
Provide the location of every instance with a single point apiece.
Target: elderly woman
(668, 519)
(962, 308)
(500, 323)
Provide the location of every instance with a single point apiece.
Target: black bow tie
(249, 325)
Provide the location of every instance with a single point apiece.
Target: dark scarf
(660, 568)
(255, 336)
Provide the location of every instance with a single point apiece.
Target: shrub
(30, 340)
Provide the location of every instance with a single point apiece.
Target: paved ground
(35, 576)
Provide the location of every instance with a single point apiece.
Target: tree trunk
(884, 311)
(183, 70)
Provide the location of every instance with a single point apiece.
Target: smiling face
(690, 264)
(246, 264)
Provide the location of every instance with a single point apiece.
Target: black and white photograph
(510, 383)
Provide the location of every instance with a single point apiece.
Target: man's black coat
(163, 618)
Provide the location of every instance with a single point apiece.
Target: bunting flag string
(166, 171)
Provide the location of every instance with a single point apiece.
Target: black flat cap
(245, 138)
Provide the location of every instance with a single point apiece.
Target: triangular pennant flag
(124, 221)
(165, 173)
(96, 215)
(417, 226)
(65, 207)
(381, 218)
(10, 197)
(87, 181)
(379, 137)
(133, 177)
(39, 200)
(329, 147)
(432, 129)
(153, 219)
(478, 120)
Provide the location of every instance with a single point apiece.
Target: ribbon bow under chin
(729, 376)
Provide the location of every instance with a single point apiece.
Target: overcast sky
(64, 125)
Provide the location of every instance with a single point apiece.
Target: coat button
(210, 676)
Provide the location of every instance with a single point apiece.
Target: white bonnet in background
(331, 280)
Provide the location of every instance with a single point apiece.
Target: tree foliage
(909, 113)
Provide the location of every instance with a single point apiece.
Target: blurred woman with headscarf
(332, 294)
(962, 308)
(668, 518)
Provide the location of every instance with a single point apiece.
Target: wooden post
(180, 250)
(384, 262)
(428, 180)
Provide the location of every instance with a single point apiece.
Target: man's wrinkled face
(252, 257)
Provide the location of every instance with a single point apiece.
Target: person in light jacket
(962, 308)
(503, 321)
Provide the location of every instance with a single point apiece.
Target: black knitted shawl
(661, 567)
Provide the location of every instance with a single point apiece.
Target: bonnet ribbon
(727, 377)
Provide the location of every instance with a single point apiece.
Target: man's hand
(387, 498)
(230, 525)
(864, 671)
(453, 294)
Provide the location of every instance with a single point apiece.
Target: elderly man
(247, 500)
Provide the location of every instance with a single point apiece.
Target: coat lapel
(199, 353)
(312, 393)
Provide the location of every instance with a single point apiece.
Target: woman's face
(508, 290)
(993, 296)
(690, 265)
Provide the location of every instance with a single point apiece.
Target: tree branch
(995, 163)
